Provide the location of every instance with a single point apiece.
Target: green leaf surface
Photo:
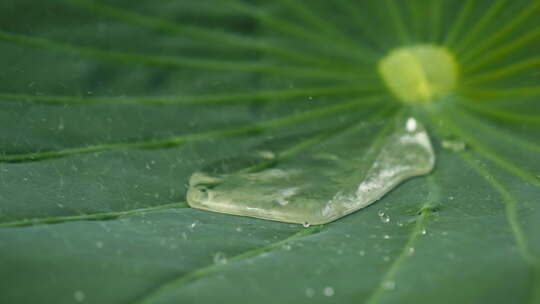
(108, 107)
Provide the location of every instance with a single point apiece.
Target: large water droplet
(310, 189)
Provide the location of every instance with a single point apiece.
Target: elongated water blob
(321, 185)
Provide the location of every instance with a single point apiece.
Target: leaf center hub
(419, 74)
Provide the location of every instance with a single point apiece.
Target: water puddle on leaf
(319, 184)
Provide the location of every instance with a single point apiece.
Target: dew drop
(328, 291)
(306, 224)
(410, 250)
(99, 244)
(454, 145)
(362, 253)
(266, 154)
(386, 237)
(220, 258)
(310, 292)
(238, 229)
(423, 231)
(79, 296)
(389, 285)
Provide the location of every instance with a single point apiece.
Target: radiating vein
(178, 62)
(511, 206)
(202, 34)
(487, 19)
(177, 283)
(295, 149)
(415, 16)
(182, 139)
(455, 30)
(497, 133)
(436, 16)
(504, 71)
(473, 63)
(504, 31)
(502, 114)
(90, 217)
(488, 153)
(300, 94)
(394, 14)
(282, 155)
(302, 12)
(481, 93)
(511, 214)
(352, 10)
(425, 211)
(347, 50)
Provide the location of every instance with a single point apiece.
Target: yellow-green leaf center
(419, 74)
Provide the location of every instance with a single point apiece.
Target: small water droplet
(389, 285)
(386, 258)
(193, 225)
(238, 229)
(423, 231)
(61, 124)
(386, 237)
(286, 247)
(220, 258)
(410, 250)
(99, 244)
(79, 296)
(310, 292)
(328, 291)
(306, 224)
(266, 154)
(362, 253)
(454, 145)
